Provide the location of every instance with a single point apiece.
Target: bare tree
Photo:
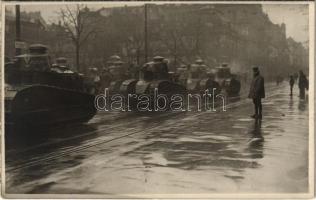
(80, 24)
(182, 36)
(171, 38)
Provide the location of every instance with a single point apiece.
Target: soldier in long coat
(257, 92)
(291, 84)
(302, 84)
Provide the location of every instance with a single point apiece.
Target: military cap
(158, 59)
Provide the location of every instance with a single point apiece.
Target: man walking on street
(291, 84)
(302, 84)
(257, 92)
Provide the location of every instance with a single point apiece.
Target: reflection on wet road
(169, 153)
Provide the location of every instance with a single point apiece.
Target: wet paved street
(170, 153)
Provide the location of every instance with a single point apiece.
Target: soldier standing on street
(257, 92)
(105, 79)
(291, 84)
(302, 84)
(93, 81)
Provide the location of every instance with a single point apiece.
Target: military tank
(153, 75)
(118, 73)
(200, 78)
(228, 82)
(36, 95)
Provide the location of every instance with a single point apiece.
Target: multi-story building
(241, 35)
(33, 30)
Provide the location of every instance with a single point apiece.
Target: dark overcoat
(302, 82)
(257, 88)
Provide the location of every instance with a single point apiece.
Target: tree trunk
(175, 54)
(77, 57)
(138, 56)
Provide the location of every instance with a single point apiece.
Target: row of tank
(38, 92)
(193, 78)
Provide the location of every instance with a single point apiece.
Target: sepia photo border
(311, 103)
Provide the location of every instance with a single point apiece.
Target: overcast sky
(293, 15)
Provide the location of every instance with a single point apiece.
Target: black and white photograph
(157, 99)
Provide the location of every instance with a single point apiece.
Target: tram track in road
(105, 128)
(55, 155)
(99, 141)
(108, 127)
(108, 119)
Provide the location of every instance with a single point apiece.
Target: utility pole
(145, 33)
(17, 29)
(175, 53)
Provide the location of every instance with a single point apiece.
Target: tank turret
(182, 75)
(118, 74)
(154, 75)
(61, 66)
(228, 81)
(200, 79)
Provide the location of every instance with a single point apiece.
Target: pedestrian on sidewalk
(257, 92)
(302, 84)
(291, 84)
